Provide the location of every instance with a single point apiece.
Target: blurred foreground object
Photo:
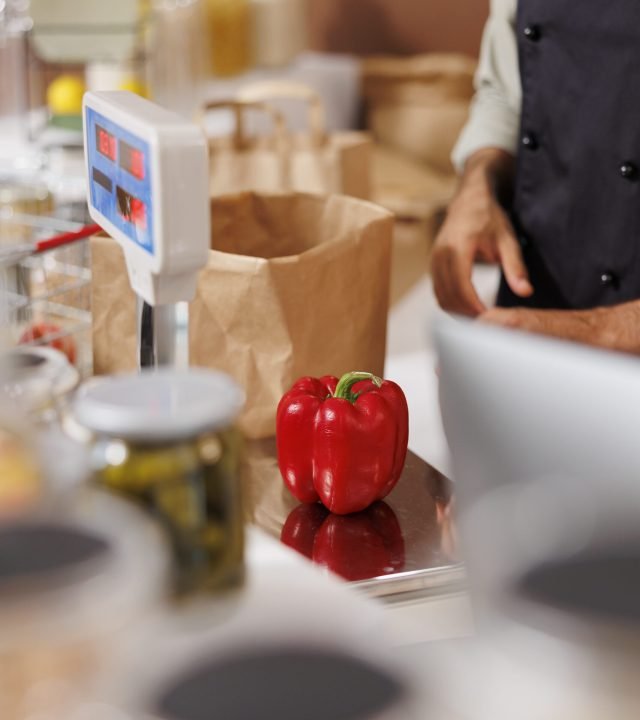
(75, 583)
(563, 636)
(549, 510)
(166, 440)
(291, 644)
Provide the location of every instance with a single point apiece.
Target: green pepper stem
(348, 380)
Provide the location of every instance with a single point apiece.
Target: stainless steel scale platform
(418, 526)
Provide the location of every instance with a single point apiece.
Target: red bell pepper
(342, 442)
(365, 545)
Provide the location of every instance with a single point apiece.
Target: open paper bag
(295, 285)
(314, 161)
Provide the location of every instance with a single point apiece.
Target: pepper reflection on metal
(356, 547)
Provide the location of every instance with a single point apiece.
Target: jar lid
(159, 405)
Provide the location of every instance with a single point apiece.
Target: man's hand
(614, 328)
(477, 227)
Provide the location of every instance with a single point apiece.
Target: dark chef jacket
(576, 207)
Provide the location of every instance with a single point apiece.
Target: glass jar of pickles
(166, 440)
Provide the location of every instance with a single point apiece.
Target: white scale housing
(148, 187)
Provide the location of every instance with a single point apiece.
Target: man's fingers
(452, 281)
(513, 266)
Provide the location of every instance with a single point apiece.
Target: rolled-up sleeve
(494, 118)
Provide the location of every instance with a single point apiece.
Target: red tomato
(42, 330)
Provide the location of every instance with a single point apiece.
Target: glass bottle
(229, 23)
(177, 54)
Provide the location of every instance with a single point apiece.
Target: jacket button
(609, 279)
(628, 170)
(532, 33)
(530, 141)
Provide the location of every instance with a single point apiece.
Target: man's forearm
(619, 327)
(614, 328)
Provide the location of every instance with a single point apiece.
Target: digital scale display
(120, 178)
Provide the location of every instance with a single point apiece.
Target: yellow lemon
(64, 95)
(132, 84)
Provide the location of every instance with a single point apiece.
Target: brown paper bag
(239, 162)
(313, 162)
(419, 104)
(295, 285)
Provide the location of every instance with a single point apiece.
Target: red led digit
(137, 164)
(132, 160)
(106, 143)
(138, 213)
